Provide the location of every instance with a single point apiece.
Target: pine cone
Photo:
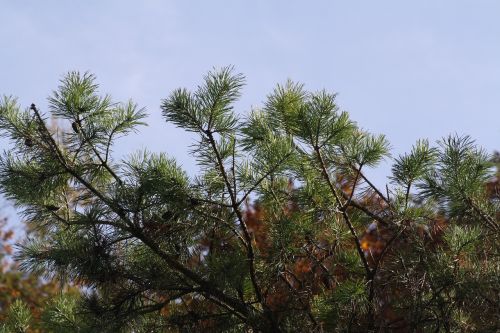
(168, 215)
(52, 208)
(194, 202)
(76, 127)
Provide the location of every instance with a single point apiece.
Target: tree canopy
(280, 231)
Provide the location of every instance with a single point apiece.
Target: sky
(406, 69)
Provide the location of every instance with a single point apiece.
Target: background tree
(30, 291)
(323, 250)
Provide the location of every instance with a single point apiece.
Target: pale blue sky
(408, 69)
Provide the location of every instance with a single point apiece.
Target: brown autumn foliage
(318, 271)
(16, 285)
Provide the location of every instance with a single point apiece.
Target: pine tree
(321, 249)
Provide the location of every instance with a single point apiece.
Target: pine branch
(234, 231)
(353, 188)
(305, 306)
(262, 178)
(379, 193)
(234, 304)
(343, 212)
(365, 210)
(486, 218)
(239, 215)
(208, 287)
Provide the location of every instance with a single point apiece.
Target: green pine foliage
(322, 249)
(19, 318)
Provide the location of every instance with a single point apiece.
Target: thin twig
(104, 162)
(376, 189)
(305, 306)
(261, 179)
(344, 213)
(236, 233)
(358, 172)
(239, 215)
